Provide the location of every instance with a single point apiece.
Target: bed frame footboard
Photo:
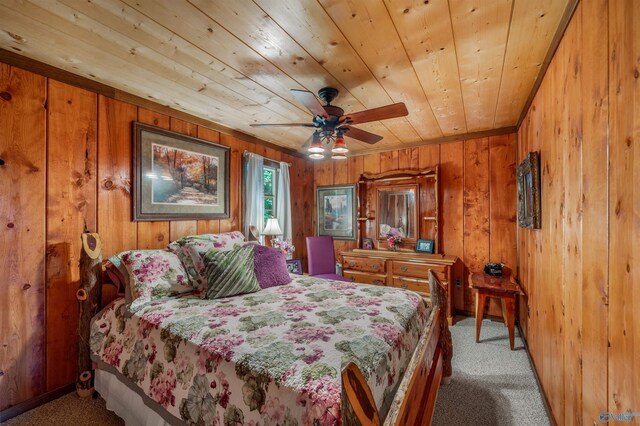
(415, 399)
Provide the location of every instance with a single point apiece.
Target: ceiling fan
(332, 124)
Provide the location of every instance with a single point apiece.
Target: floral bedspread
(268, 358)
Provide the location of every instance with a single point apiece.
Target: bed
(313, 352)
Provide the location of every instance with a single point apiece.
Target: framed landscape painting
(529, 210)
(178, 177)
(336, 213)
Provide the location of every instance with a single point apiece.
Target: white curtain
(283, 201)
(253, 193)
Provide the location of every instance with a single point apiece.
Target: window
(270, 179)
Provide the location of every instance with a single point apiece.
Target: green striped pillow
(229, 273)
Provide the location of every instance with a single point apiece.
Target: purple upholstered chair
(322, 259)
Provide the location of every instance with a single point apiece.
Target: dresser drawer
(413, 284)
(364, 278)
(409, 269)
(417, 270)
(364, 264)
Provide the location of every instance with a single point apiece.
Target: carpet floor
(69, 410)
(491, 385)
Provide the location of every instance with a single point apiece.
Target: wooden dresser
(403, 269)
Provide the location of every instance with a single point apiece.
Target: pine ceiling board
(252, 26)
(104, 39)
(425, 30)
(49, 45)
(191, 24)
(532, 20)
(308, 23)
(129, 22)
(480, 29)
(370, 30)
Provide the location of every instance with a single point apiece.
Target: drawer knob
(352, 264)
(404, 269)
(403, 285)
(353, 279)
(375, 266)
(376, 282)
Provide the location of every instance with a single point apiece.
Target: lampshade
(340, 146)
(339, 157)
(316, 156)
(316, 144)
(272, 227)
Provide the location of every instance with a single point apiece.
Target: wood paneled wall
(477, 195)
(581, 271)
(68, 155)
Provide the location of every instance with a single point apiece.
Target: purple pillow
(270, 267)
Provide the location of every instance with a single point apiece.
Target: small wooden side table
(505, 288)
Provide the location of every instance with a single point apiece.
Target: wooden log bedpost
(89, 295)
(438, 295)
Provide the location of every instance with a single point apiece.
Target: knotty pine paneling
(115, 176)
(71, 205)
(624, 206)
(68, 155)
(477, 193)
(580, 270)
(23, 237)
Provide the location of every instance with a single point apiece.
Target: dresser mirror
(403, 202)
(397, 210)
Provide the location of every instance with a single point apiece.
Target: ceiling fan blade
(283, 125)
(361, 135)
(376, 114)
(310, 101)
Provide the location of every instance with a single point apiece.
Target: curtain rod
(275, 161)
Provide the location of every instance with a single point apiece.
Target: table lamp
(272, 228)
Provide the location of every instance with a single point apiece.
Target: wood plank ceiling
(460, 66)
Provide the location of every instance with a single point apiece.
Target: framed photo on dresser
(424, 246)
(367, 244)
(294, 266)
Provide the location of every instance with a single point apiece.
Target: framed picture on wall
(178, 177)
(529, 192)
(336, 213)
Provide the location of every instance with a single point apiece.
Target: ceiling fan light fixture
(316, 144)
(340, 146)
(339, 156)
(316, 156)
(316, 148)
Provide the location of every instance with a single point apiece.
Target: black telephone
(494, 269)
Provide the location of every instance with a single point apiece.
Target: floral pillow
(154, 274)
(191, 250)
(119, 275)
